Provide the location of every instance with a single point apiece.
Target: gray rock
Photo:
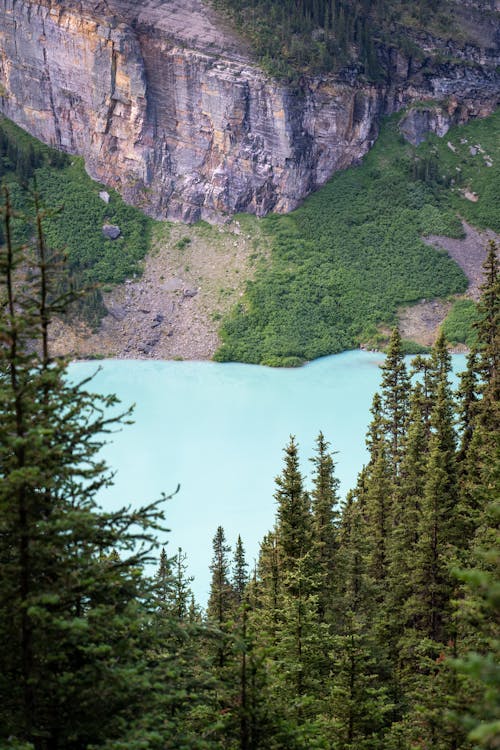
(118, 312)
(104, 196)
(189, 293)
(111, 231)
(158, 320)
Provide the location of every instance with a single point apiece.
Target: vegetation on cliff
(366, 625)
(330, 35)
(353, 252)
(62, 181)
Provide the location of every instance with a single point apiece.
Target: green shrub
(77, 229)
(459, 324)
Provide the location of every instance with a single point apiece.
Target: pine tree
(175, 583)
(293, 512)
(375, 493)
(75, 608)
(438, 533)
(478, 615)
(357, 703)
(478, 609)
(488, 326)
(221, 599)
(240, 571)
(164, 583)
(324, 503)
(395, 388)
(267, 588)
(468, 394)
(483, 445)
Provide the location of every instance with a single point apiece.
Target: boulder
(111, 231)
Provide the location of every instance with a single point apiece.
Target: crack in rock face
(166, 104)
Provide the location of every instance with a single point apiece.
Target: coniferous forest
(369, 623)
(292, 38)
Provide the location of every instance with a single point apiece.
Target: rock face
(166, 105)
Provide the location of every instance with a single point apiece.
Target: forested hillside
(332, 35)
(370, 623)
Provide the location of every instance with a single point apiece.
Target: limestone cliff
(165, 104)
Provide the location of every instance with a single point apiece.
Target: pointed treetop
(240, 570)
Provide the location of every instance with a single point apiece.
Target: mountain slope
(344, 262)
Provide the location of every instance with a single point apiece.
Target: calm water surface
(219, 429)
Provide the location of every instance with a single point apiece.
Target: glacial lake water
(218, 430)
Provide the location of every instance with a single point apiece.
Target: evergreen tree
(488, 326)
(174, 584)
(75, 609)
(324, 503)
(354, 584)
(240, 571)
(438, 533)
(479, 615)
(221, 599)
(482, 449)
(468, 394)
(395, 389)
(478, 610)
(164, 583)
(293, 514)
(357, 702)
(267, 588)
(375, 492)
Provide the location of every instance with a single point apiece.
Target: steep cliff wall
(166, 105)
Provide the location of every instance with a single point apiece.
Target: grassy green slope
(62, 182)
(352, 254)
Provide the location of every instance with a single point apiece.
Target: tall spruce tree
(294, 533)
(325, 514)
(221, 599)
(75, 609)
(239, 571)
(173, 584)
(439, 533)
(395, 388)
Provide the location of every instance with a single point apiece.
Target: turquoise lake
(218, 430)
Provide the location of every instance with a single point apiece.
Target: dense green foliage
(459, 324)
(62, 181)
(344, 261)
(325, 35)
(367, 636)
